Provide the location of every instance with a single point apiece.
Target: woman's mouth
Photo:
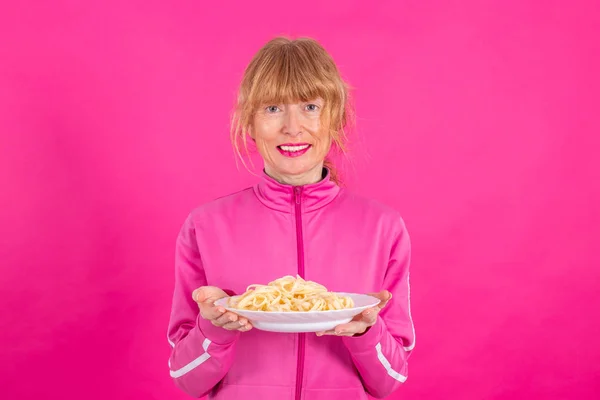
(293, 150)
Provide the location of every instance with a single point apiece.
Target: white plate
(308, 321)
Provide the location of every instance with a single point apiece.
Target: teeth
(294, 148)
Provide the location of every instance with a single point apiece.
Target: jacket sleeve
(381, 354)
(201, 353)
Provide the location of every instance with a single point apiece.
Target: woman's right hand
(206, 296)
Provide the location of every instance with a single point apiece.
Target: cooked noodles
(290, 294)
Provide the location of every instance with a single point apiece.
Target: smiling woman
(294, 105)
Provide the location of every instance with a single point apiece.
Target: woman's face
(292, 141)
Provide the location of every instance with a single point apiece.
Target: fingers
(206, 296)
(359, 325)
(218, 316)
(229, 317)
(332, 333)
(349, 329)
(369, 316)
(210, 312)
(232, 322)
(225, 319)
(237, 326)
(384, 296)
(354, 329)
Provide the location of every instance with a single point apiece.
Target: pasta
(290, 294)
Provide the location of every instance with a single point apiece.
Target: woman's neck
(312, 176)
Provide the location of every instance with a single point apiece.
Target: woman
(296, 221)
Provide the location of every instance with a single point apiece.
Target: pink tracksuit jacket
(322, 233)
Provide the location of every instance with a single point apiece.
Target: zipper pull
(298, 194)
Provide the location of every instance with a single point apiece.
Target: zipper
(300, 250)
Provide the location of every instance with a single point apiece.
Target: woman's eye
(312, 107)
(272, 109)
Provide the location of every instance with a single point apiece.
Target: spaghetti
(290, 294)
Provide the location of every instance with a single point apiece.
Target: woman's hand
(363, 321)
(206, 296)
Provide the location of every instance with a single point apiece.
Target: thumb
(198, 295)
(208, 294)
(384, 296)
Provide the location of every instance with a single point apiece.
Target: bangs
(290, 77)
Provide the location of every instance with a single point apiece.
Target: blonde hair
(287, 71)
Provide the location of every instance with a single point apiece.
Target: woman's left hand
(363, 321)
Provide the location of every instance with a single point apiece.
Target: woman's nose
(292, 124)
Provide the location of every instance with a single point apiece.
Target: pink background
(478, 122)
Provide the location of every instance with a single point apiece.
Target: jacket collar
(282, 197)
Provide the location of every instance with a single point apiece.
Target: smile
(293, 150)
